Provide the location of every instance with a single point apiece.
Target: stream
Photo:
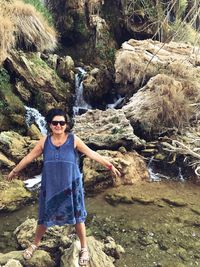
(160, 228)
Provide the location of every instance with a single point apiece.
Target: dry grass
(129, 68)
(24, 28)
(161, 104)
(174, 108)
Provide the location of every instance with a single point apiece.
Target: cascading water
(33, 115)
(158, 176)
(116, 102)
(80, 105)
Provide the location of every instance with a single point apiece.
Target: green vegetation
(42, 9)
(9, 102)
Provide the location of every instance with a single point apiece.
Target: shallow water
(155, 234)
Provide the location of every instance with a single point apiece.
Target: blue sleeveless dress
(61, 198)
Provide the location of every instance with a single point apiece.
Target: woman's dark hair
(58, 112)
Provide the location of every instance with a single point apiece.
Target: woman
(61, 198)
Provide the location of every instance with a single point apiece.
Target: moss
(9, 103)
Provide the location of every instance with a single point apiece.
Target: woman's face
(58, 125)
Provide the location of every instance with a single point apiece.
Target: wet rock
(13, 195)
(115, 199)
(112, 249)
(132, 167)
(177, 202)
(106, 129)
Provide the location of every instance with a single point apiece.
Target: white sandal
(28, 252)
(83, 259)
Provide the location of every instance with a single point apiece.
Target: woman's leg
(81, 233)
(40, 230)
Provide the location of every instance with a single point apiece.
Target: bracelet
(110, 167)
(15, 172)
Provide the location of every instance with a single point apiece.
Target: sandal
(28, 252)
(83, 257)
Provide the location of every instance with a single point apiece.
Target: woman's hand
(114, 170)
(13, 174)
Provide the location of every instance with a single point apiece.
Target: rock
(14, 145)
(13, 195)
(65, 68)
(54, 238)
(146, 111)
(132, 167)
(39, 78)
(13, 255)
(13, 263)
(97, 86)
(5, 162)
(25, 232)
(177, 202)
(34, 132)
(25, 94)
(97, 257)
(106, 129)
(40, 259)
(112, 249)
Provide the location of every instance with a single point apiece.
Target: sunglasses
(55, 123)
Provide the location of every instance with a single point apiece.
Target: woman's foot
(28, 252)
(83, 257)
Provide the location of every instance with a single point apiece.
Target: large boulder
(13, 195)
(130, 164)
(98, 257)
(162, 104)
(12, 111)
(97, 87)
(106, 129)
(41, 80)
(13, 148)
(54, 237)
(40, 258)
(137, 61)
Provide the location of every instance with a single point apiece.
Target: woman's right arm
(35, 152)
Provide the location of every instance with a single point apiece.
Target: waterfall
(33, 115)
(80, 104)
(117, 101)
(33, 183)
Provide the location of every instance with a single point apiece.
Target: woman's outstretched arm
(35, 152)
(82, 147)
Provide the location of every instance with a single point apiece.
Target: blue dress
(61, 198)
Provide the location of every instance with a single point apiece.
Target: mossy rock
(13, 195)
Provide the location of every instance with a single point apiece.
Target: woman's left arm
(82, 147)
